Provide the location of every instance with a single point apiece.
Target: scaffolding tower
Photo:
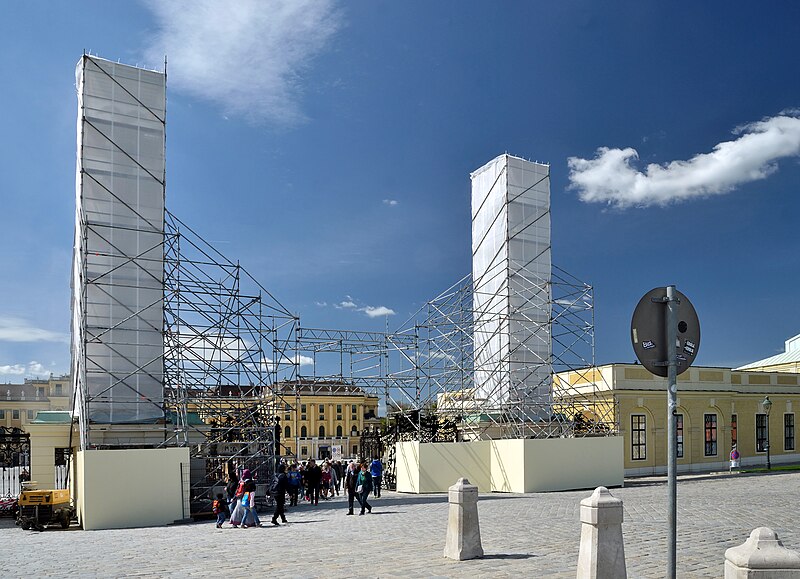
(117, 272)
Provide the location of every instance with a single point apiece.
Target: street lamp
(767, 404)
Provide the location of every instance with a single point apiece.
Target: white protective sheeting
(511, 270)
(118, 271)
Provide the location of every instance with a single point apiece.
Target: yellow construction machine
(38, 508)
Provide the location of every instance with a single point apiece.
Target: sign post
(666, 341)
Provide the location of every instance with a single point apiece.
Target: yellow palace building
(717, 408)
(323, 419)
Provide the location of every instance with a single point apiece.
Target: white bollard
(602, 554)
(463, 531)
(762, 556)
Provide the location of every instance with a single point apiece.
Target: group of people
(240, 505)
(315, 481)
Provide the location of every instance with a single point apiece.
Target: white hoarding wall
(511, 275)
(118, 268)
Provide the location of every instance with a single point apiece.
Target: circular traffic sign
(649, 331)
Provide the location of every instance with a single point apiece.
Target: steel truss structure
(426, 370)
(228, 343)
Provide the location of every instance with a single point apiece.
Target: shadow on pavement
(509, 556)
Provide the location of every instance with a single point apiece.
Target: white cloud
(442, 356)
(32, 369)
(390, 202)
(248, 56)
(37, 369)
(288, 360)
(211, 348)
(611, 177)
(17, 330)
(321, 304)
(374, 312)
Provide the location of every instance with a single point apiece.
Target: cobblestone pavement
(535, 535)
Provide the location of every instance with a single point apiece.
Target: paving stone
(533, 535)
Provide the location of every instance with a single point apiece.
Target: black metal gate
(15, 466)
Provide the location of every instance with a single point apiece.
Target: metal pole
(672, 393)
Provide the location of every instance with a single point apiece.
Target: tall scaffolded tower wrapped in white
(118, 265)
(511, 270)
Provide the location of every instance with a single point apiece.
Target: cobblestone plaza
(533, 535)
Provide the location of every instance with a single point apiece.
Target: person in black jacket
(350, 478)
(314, 480)
(230, 490)
(278, 490)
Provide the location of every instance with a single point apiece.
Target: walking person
(293, 479)
(363, 487)
(237, 508)
(326, 481)
(376, 470)
(334, 480)
(220, 508)
(350, 482)
(337, 467)
(230, 491)
(278, 490)
(249, 501)
(314, 480)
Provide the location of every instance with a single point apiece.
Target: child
(220, 508)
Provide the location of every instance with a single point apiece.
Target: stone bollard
(602, 554)
(463, 532)
(762, 556)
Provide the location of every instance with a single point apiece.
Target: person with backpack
(294, 480)
(278, 491)
(376, 470)
(220, 508)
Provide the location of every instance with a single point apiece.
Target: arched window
(339, 430)
(322, 431)
(303, 432)
(354, 431)
(287, 432)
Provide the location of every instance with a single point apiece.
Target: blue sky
(328, 146)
